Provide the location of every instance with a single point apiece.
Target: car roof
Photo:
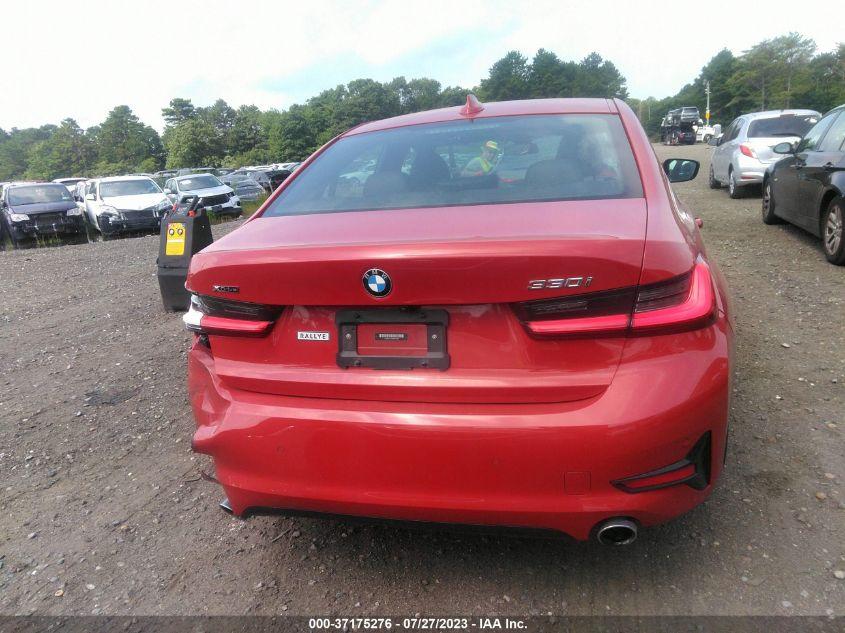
(771, 114)
(494, 109)
(119, 178)
(189, 176)
(28, 183)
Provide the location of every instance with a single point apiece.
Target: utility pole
(707, 92)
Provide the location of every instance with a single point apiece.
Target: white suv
(216, 197)
(125, 203)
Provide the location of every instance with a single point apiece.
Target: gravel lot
(103, 511)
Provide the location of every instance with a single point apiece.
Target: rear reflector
(693, 470)
(209, 315)
(681, 303)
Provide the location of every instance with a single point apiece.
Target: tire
(734, 190)
(706, 138)
(767, 207)
(711, 179)
(833, 232)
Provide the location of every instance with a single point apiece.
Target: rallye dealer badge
(312, 336)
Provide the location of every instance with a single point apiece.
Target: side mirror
(715, 140)
(681, 169)
(90, 196)
(168, 192)
(784, 148)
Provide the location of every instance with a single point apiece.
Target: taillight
(668, 307)
(222, 317)
(747, 151)
(681, 303)
(596, 313)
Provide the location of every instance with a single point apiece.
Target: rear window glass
(486, 161)
(786, 125)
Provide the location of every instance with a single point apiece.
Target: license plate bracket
(435, 321)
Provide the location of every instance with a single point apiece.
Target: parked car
(70, 183)
(244, 186)
(703, 133)
(31, 210)
(277, 177)
(258, 175)
(215, 196)
(807, 186)
(744, 151)
(547, 347)
(78, 191)
(120, 204)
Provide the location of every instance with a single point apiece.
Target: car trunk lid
(471, 263)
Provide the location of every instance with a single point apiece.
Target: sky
(80, 60)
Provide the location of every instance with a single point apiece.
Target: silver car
(216, 197)
(744, 151)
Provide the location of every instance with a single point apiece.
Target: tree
(599, 78)
(123, 142)
(246, 131)
(67, 152)
(751, 83)
(292, 138)
(549, 76)
(179, 111)
(508, 79)
(15, 149)
(792, 55)
(190, 144)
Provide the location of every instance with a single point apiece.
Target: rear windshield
(202, 181)
(127, 188)
(486, 161)
(37, 194)
(784, 125)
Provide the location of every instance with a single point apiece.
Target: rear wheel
(711, 180)
(706, 138)
(768, 205)
(734, 190)
(833, 240)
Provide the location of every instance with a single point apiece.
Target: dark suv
(30, 210)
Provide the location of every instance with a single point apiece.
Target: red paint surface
(521, 430)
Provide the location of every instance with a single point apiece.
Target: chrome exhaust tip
(226, 505)
(617, 532)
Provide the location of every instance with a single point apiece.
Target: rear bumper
(749, 171)
(546, 466)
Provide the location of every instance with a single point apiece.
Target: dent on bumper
(543, 466)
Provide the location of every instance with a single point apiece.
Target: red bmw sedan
(495, 314)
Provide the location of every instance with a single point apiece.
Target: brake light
(747, 151)
(222, 317)
(681, 303)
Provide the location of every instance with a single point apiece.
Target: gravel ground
(103, 510)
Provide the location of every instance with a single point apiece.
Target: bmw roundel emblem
(377, 282)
